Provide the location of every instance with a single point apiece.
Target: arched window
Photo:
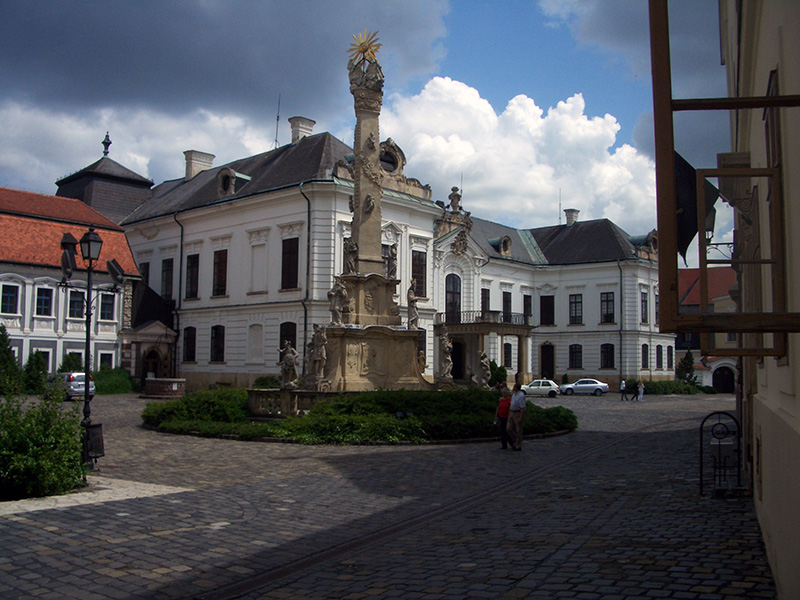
(255, 342)
(575, 356)
(659, 357)
(452, 299)
(670, 357)
(607, 356)
(645, 356)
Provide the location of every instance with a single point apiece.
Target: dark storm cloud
(231, 55)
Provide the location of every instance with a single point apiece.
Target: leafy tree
(72, 362)
(498, 374)
(685, 369)
(34, 374)
(10, 375)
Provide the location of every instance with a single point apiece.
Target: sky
(525, 105)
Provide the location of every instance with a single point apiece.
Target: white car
(74, 388)
(541, 387)
(585, 386)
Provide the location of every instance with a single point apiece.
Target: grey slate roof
(523, 247)
(108, 168)
(311, 158)
(599, 240)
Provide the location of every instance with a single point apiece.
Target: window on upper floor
(10, 299)
(189, 344)
(547, 310)
(144, 271)
(607, 307)
(486, 296)
(107, 307)
(44, 302)
(655, 306)
(452, 298)
(220, 281)
(167, 267)
(527, 305)
(575, 356)
(506, 307)
(643, 305)
(290, 263)
(192, 275)
(217, 343)
(419, 272)
(75, 309)
(576, 309)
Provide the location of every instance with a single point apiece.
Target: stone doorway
(724, 380)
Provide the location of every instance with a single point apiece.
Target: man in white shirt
(515, 414)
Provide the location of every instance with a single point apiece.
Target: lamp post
(91, 244)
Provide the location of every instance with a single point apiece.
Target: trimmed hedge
(379, 416)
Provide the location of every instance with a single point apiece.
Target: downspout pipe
(304, 301)
(178, 302)
(621, 322)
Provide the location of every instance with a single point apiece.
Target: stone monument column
(366, 85)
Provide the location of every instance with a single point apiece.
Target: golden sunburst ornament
(365, 46)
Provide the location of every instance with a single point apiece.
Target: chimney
(197, 161)
(301, 127)
(572, 215)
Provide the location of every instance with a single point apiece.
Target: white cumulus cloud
(514, 165)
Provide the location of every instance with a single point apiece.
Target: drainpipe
(621, 320)
(304, 301)
(178, 302)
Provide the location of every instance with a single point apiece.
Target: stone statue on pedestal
(413, 313)
(445, 358)
(481, 378)
(288, 364)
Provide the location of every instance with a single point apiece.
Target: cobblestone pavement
(609, 512)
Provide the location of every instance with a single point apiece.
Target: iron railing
(483, 316)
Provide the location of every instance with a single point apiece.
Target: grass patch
(380, 416)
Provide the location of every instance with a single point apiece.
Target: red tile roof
(32, 225)
(720, 280)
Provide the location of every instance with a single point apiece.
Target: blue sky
(524, 100)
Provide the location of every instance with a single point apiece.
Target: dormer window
(505, 246)
(229, 182)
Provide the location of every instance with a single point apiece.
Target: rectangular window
(107, 307)
(10, 299)
(575, 309)
(144, 271)
(606, 307)
(527, 305)
(507, 352)
(506, 307)
(645, 356)
(730, 337)
(607, 356)
(75, 310)
(220, 285)
(167, 266)
(192, 275)
(107, 360)
(659, 357)
(44, 302)
(189, 344)
(485, 300)
(655, 306)
(547, 310)
(645, 314)
(575, 356)
(217, 343)
(419, 271)
(289, 264)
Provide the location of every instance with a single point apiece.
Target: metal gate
(719, 439)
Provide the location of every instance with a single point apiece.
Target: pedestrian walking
(515, 414)
(622, 394)
(641, 391)
(501, 416)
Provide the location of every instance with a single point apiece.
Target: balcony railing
(466, 317)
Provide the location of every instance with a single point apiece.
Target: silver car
(541, 387)
(74, 385)
(585, 386)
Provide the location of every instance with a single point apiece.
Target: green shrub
(41, 448)
(709, 389)
(498, 374)
(34, 374)
(225, 405)
(266, 382)
(112, 381)
(71, 363)
(10, 374)
(670, 387)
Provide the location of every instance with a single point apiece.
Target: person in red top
(501, 416)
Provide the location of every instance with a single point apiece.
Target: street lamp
(91, 244)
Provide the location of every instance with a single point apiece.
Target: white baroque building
(248, 252)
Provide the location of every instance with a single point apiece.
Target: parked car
(585, 386)
(541, 387)
(74, 385)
